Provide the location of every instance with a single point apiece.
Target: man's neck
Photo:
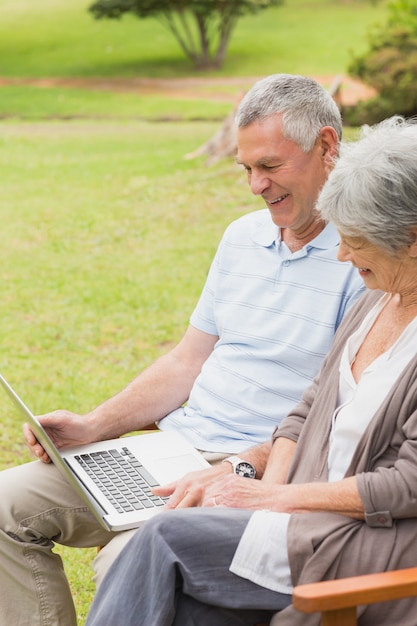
(295, 241)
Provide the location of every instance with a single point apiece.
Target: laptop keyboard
(122, 478)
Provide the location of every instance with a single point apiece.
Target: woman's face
(378, 268)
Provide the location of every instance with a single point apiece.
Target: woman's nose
(343, 253)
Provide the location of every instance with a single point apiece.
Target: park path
(227, 89)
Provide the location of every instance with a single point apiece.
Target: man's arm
(158, 390)
(161, 388)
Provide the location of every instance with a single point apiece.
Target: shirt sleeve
(203, 316)
(262, 554)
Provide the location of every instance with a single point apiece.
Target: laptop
(115, 477)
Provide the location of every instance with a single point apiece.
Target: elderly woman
(335, 493)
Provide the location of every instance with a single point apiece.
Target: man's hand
(64, 428)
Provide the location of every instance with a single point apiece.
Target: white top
(261, 555)
(359, 402)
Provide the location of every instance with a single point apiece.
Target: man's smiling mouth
(280, 199)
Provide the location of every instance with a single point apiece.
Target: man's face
(288, 179)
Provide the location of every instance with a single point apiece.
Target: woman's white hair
(372, 191)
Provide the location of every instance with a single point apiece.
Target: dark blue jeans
(175, 571)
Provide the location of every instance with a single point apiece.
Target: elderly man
(274, 297)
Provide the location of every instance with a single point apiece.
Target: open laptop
(115, 477)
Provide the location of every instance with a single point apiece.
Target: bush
(390, 66)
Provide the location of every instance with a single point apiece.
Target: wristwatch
(241, 467)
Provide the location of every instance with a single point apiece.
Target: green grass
(58, 38)
(30, 102)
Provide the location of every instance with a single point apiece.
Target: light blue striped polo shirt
(275, 313)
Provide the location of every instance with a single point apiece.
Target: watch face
(245, 469)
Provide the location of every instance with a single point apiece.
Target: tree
(203, 28)
(390, 66)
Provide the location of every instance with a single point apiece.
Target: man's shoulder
(250, 223)
(260, 217)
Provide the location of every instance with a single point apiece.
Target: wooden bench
(337, 600)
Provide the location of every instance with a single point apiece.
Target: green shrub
(390, 66)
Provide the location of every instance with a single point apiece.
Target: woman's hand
(241, 493)
(190, 490)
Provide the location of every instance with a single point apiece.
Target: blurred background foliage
(389, 65)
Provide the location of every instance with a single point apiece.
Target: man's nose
(258, 183)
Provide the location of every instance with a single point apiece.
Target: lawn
(38, 102)
(108, 232)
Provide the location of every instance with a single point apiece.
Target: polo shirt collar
(268, 233)
(328, 238)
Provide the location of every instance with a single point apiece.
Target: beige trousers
(38, 508)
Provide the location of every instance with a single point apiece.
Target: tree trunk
(222, 144)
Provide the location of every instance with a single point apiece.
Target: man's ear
(329, 143)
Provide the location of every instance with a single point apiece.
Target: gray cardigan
(324, 546)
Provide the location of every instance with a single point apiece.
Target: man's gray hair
(306, 107)
(372, 191)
